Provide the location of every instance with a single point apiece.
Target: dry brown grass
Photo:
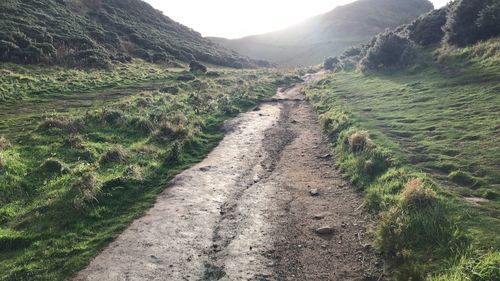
(87, 188)
(416, 195)
(169, 131)
(359, 141)
(4, 143)
(117, 154)
(64, 123)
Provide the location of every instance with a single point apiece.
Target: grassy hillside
(94, 33)
(422, 143)
(414, 114)
(87, 153)
(328, 34)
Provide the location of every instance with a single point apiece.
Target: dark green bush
(470, 21)
(428, 28)
(388, 50)
(330, 63)
(90, 59)
(489, 20)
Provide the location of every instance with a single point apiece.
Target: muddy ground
(266, 204)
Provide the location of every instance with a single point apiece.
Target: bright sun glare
(233, 19)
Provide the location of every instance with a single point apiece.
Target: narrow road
(251, 211)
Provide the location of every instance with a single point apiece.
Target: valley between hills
(361, 144)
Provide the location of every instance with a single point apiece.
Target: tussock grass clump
(63, 123)
(113, 117)
(464, 179)
(143, 125)
(169, 131)
(359, 141)
(416, 195)
(410, 239)
(2, 163)
(169, 90)
(144, 102)
(87, 188)
(174, 153)
(54, 166)
(334, 122)
(133, 172)
(479, 266)
(117, 154)
(74, 142)
(4, 143)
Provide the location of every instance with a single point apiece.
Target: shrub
(488, 21)
(388, 50)
(470, 21)
(87, 188)
(121, 57)
(186, 77)
(195, 66)
(117, 154)
(90, 59)
(359, 140)
(143, 54)
(416, 196)
(428, 29)
(330, 63)
(213, 74)
(4, 143)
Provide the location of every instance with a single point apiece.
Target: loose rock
(314, 192)
(325, 230)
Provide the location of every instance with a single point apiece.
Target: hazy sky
(238, 18)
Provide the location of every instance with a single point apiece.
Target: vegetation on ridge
(95, 33)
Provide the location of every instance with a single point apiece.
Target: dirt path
(250, 211)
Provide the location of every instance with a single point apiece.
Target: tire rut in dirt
(230, 221)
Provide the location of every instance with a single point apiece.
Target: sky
(238, 18)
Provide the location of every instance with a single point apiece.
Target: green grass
(433, 122)
(80, 166)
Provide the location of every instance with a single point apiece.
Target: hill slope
(92, 33)
(414, 115)
(328, 34)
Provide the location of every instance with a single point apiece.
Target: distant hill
(327, 35)
(92, 33)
